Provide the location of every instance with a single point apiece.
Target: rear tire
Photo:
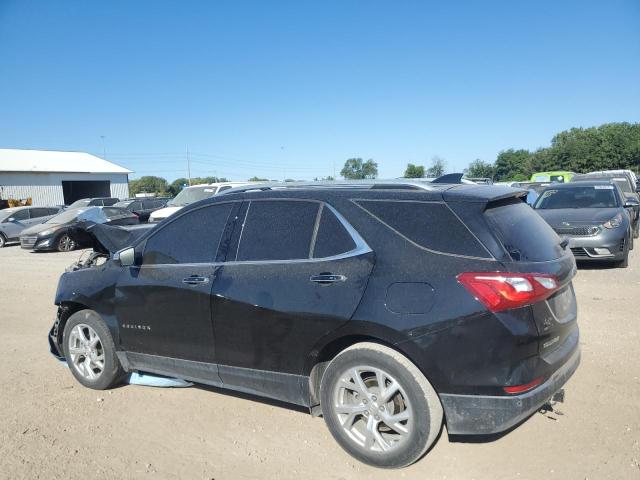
(90, 351)
(389, 416)
(3, 240)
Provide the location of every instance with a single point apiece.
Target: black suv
(389, 308)
(142, 207)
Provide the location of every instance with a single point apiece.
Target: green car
(557, 176)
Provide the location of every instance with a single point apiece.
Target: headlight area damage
(105, 241)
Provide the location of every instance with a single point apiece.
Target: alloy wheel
(66, 243)
(86, 351)
(372, 408)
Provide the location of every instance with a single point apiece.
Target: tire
(66, 243)
(636, 230)
(624, 263)
(368, 438)
(95, 367)
(3, 240)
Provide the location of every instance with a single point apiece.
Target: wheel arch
(324, 353)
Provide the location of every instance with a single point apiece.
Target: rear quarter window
(429, 225)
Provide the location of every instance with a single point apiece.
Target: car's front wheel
(90, 351)
(379, 406)
(66, 243)
(3, 240)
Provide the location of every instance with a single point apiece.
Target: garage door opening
(76, 189)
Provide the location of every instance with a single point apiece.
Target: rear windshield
(524, 233)
(592, 196)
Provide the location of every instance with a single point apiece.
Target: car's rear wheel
(90, 351)
(379, 406)
(3, 240)
(66, 243)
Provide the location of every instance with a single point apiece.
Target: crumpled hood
(578, 216)
(110, 239)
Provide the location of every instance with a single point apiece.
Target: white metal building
(57, 178)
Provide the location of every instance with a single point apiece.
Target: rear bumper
(483, 415)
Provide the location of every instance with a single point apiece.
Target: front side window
(191, 238)
(277, 230)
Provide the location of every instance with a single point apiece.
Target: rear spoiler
(482, 193)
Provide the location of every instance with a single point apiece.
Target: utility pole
(188, 166)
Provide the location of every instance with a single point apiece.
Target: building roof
(45, 161)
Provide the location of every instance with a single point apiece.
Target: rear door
(297, 270)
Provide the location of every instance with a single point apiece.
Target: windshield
(92, 214)
(7, 212)
(598, 196)
(83, 202)
(192, 194)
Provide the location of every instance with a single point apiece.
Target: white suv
(192, 194)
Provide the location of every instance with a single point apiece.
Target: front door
(163, 305)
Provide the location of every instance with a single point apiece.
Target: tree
(414, 171)
(258, 179)
(511, 163)
(356, 169)
(479, 169)
(437, 168)
(149, 184)
(177, 185)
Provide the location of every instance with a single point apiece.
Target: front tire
(66, 243)
(379, 407)
(3, 240)
(90, 351)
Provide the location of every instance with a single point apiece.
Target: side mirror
(631, 203)
(126, 257)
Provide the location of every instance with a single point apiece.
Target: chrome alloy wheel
(372, 408)
(86, 351)
(66, 243)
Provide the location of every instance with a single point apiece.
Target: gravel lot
(51, 427)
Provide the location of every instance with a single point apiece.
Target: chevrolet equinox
(391, 309)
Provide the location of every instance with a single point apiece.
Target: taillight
(503, 290)
(523, 388)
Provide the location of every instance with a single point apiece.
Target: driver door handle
(327, 278)
(195, 280)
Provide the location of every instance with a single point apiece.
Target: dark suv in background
(388, 308)
(142, 207)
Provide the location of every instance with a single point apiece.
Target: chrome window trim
(361, 246)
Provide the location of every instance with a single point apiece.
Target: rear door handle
(195, 280)
(327, 278)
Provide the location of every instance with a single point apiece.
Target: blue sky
(294, 88)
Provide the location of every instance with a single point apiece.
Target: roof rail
(409, 184)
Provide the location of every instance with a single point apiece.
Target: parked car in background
(94, 202)
(558, 176)
(388, 308)
(14, 220)
(630, 173)
(593, 215)
(65, 232)
(143, 207)
(192, 194)
(627, 186)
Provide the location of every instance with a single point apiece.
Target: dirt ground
(52, 427)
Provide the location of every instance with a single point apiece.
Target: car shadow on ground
(253, 398)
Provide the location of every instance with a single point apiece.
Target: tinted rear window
(524, 233)
(430, 225)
